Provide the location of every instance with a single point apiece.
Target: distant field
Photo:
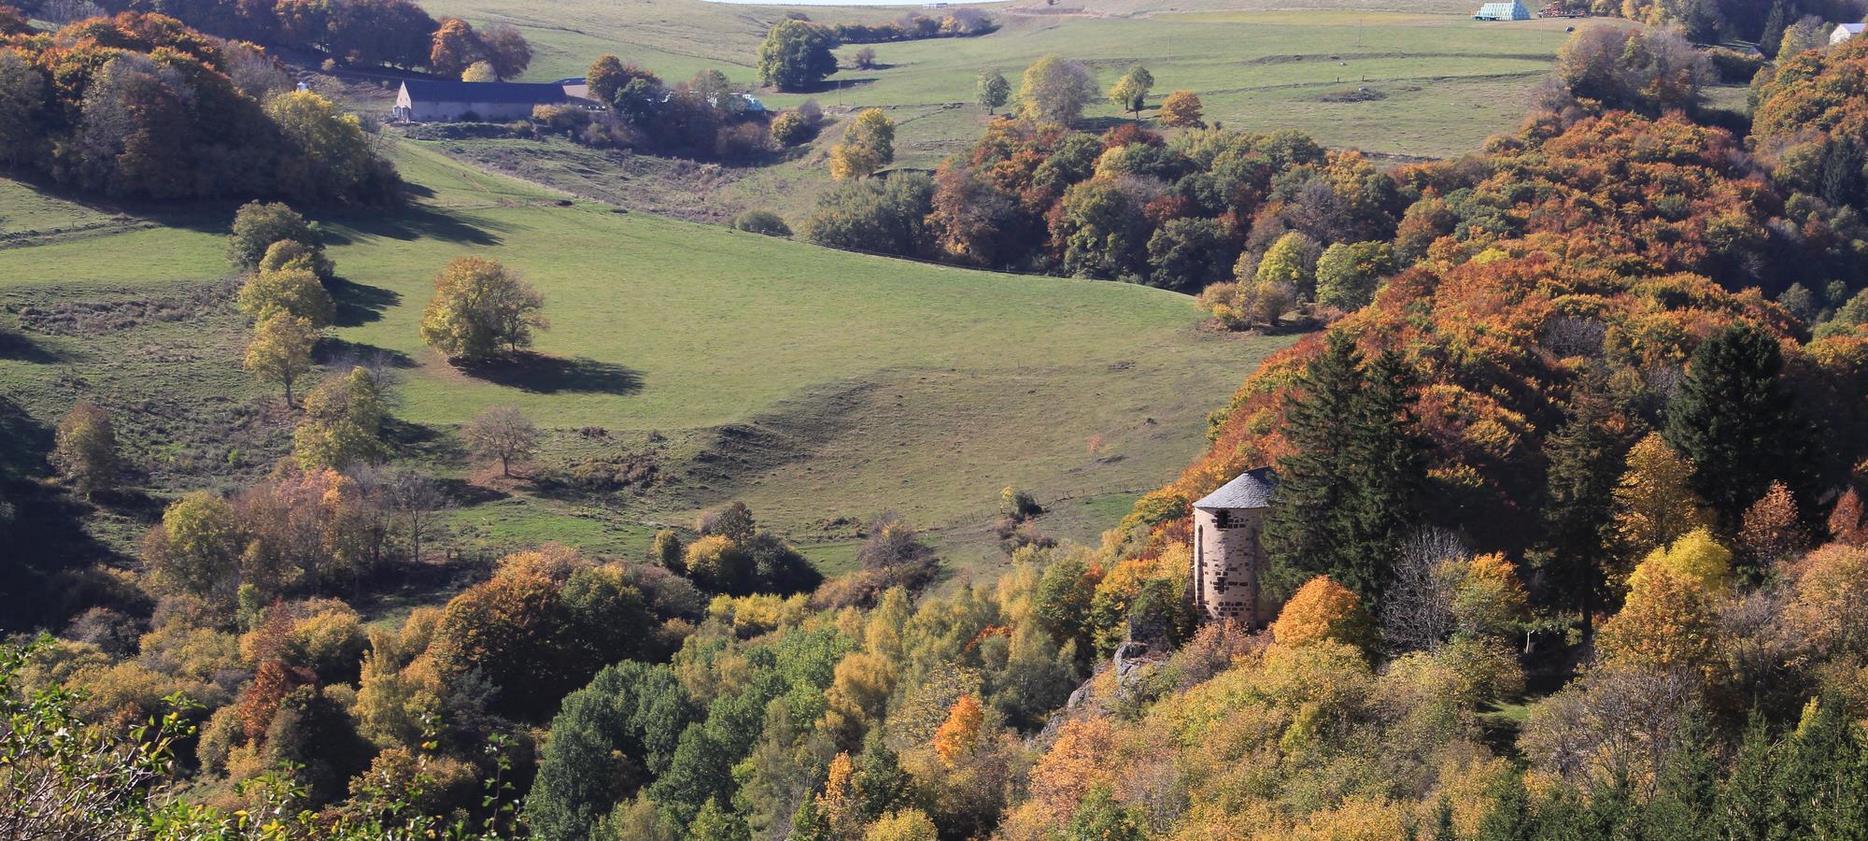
(819, 386)
(1427, 80)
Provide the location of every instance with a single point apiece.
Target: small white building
(430, 100)
(1229, 559)
(1845, 31)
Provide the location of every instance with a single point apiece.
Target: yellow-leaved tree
(867, 146)
(1322, 610)
(959, 734)
(1654, 505)
(1669, 620)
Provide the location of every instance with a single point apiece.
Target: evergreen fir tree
(1686, 792)
(1347, 499)
(1443, 822)
(1508, 817)
(1746, 806)
(1738, 424)
(1585, 458)
(1309, 516)
(1773, 35)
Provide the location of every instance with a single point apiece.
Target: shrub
(762, 222)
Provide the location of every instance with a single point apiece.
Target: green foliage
(85, 450)
(992, 91)
(258, 225)
(796, 55)
(343, 423)
(606, 739)
(479, 309)
(1346, 499)
(1055, 90)
(884, 216)
(763, 222)
(1738, 423)
(1348, 273)
(293, 291)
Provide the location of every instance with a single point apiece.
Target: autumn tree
(343, 423)
(796, 55)
(1055, 90)
(1654, 503)
(1772, 529)
(327, 155)
(1737, 422)
(504, 433)
(479, 71)
(959, 734)
(992, 90)
(293, 291)
(1130, 93)
(479, 309)
(280, 351)
(1847, 521)
(454, 47)
(606, 77)
(85, 450)
(868, 145)
(505, 49)
(1181, 109)
(1322, 610)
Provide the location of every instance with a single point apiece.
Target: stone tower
(1228, 556)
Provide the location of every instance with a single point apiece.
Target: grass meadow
(820, 387)
(1402, 80)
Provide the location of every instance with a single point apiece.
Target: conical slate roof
(1251, 490)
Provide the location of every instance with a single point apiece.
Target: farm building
(427, 101)
(1228, 554)
(1513, 10)
(1845, 31)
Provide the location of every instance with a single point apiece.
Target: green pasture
(819, 386)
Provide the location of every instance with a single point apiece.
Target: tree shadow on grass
(541, 374)
(358, 304)
(342, 354)
(22, 349)
(24, 441)
(409, 222)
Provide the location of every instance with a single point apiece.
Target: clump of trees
(914, 26)
(1647, 70)
(704, 116)
(145, 107)
(457, 47)
(732, 555)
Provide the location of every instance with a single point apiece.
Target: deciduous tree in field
(479, 309)
(1181, 109)
(257, 225)
(454, 46)
(1130, 93)
(86, 450)
(280, 351)
(993, 90)
(479, 71)
(796, 55)
(867, 146)
(502, 432)
(503, 47)
(1055, 90)
(294, 291)
(343, 423)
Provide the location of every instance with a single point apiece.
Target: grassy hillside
(1402, 80)
(819, 386)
